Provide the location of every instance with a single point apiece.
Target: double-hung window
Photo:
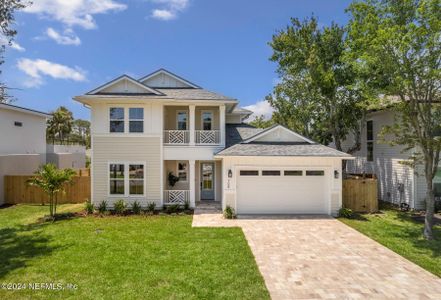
(369, 141)
(116, 116)
(207, 120)
(182, 171)
(136, 119)
(181, 120)
(126, 179)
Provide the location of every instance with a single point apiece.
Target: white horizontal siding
(126, 149)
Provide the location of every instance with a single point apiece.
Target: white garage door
(282, 191)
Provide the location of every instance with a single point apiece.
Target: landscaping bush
(345, 212)
(102, 207)
(173, 208)
(151, 207)
(136, 208)
(89, 207)
(119, 207)
(187, 204)
(229, 213)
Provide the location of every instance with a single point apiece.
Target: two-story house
(398, 180)
(161, 127)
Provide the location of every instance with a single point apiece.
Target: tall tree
(261, 122)
(319, 94)
(399, 44)
(60, 125)
(7, 34)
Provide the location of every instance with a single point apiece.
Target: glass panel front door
(207, 181)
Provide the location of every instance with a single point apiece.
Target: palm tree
(60, 125)
(52, 181)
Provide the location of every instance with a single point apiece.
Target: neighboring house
(23, 141)
(162, 125)
(398, 181)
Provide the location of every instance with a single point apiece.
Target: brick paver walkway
(322, 258)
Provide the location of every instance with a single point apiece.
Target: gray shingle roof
(236, 133)
(192, 94)
(281, 149)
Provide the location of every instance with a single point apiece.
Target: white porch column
(192, 183)
(222, 124)
(192, 125)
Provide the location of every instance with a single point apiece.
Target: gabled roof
(244, 140)
(148, 90)
(25, 110)
(162, 71)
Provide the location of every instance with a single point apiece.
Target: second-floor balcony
(194, 125)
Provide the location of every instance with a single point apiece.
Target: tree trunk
(55, 204)
(51, 204)
(430, 207)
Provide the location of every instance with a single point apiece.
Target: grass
(400, 233)
(149, 257)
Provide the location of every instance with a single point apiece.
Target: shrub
(102, 207)
(345, 212)
(229, 212)
(136, 208)
(151, 206)
(89, 207)
(119, 207)
(173, 208)
(187, 204)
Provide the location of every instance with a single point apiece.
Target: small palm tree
(52, 180)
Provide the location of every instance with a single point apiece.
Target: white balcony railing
(176, 137)
(207, 137)
(176, 196)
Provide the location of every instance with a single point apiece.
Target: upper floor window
(207, 120)
(136, 119)
(182, 120)
(369, 141)
(116, 119)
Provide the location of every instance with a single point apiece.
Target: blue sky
(66, 48)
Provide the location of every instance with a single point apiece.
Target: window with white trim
(126, 179)
(136, 119)
(116, 117)
(182, 171)
(181, 120)
(116, 179)
(207, 120)
(370, 140)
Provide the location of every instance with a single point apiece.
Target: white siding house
(162, 126)
(398, 182)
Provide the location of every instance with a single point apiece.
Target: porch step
(208, 207)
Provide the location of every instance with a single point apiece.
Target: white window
(182, 171)
(207, 120)
(136, 119)
(116, 116)
(181, 120)
(127, 179)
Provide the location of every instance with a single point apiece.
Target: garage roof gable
(278, 134)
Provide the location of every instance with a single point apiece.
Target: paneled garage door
(282, 191)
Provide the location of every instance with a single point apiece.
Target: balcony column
(192, 124)
(222, 124)
(192, 179)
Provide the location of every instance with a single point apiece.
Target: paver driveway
(322, 258)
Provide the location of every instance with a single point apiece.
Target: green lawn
(150, 257)
(397, 231)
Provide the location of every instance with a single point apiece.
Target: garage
(282, 191)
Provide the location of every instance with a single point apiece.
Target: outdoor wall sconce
(336, 174)
(230, 173)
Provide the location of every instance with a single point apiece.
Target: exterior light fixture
(230, 173)
(336, 174)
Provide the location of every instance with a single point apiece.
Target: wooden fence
(360, 194)
(83, 172)
(17, 190)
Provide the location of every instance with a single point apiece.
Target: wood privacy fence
(83, 172)
(17, 190)
(360, 194)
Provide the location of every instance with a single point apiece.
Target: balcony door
(207, 181)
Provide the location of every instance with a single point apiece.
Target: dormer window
(116, 116)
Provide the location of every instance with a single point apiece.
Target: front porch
(192, 181)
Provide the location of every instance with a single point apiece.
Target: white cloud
(67, 38)
(74, 12)
(14, 45)
(170, 9)
(38, 68)
(260, 108)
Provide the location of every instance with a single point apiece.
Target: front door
(207, 181)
